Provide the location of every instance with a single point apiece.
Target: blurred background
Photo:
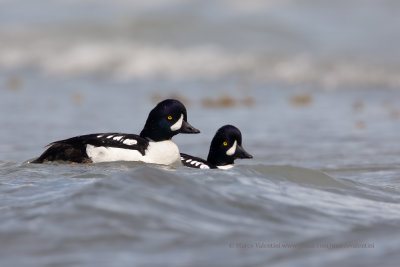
(310, 83)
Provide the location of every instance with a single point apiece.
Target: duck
(153, 145)
(226, 146)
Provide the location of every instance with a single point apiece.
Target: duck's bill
(187, 128)
(241, 153)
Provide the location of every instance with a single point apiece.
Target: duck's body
(225, 147)
(106, 147)
(153, 145)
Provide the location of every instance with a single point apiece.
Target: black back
(74, 149)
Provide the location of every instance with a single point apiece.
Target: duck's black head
(226, 146)
(167, 119)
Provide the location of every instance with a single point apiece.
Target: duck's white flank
(164, 152)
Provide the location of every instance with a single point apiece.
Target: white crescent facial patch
(232, 150)
(177, 125)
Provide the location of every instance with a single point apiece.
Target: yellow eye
(169, 118)
(225, 143)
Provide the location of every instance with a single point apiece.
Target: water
(312, 85)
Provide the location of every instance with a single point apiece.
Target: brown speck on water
(156, 98)
(224, 101)
(248, 101)
(77, 98)
(360, 125)
(301, 100)
(14, 83)
(358, 106)
(207, 102)
(181, 98)
(394, 113)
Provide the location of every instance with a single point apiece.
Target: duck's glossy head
(167, 119)
(226, 146)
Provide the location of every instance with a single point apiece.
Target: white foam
(129, 60)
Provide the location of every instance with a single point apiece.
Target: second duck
(226, 146)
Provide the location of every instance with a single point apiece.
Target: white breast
(164, 152)
(225, 167)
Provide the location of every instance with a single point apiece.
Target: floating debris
(156, 98)
(394, 113)
(360, 125)
(14, 83)
(248, 101)
(392, 110)
(302, 100)
(358, 106)
(224, 101)
(77, 98)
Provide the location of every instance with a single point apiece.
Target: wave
(203, 40)
(130, 60)
(299, 175)
(60, 210)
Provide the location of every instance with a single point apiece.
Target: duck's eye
(169, 118)
(225, 143)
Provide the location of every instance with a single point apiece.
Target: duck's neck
(219, 159)
(156, 135)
